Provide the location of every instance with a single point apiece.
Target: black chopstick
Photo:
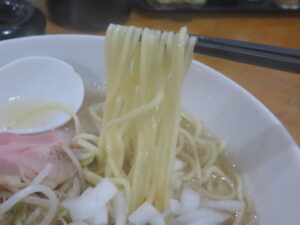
(273, 57)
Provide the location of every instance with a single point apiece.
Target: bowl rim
(248, 94)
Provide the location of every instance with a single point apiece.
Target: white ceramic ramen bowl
(263, 150)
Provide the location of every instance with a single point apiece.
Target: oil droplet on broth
(26, 113)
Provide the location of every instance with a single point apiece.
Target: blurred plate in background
(215, 6)
(20, 18)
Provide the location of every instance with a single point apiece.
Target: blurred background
(272, 22)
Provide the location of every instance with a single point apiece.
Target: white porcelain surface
(39, 80)
(266, 155)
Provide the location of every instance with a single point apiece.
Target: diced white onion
(175, 206)
(89, 189)
(158, 220)
(100, 218)
(178, 164)
(69, 203)
(120, 209)
(226, 205)
(190, 200)
(78, 223)
(202, 217)
(104, 191)
(144, 214)
(91, 201)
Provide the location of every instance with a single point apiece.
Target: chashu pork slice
(22, 157)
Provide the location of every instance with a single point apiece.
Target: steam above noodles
(140, 159)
